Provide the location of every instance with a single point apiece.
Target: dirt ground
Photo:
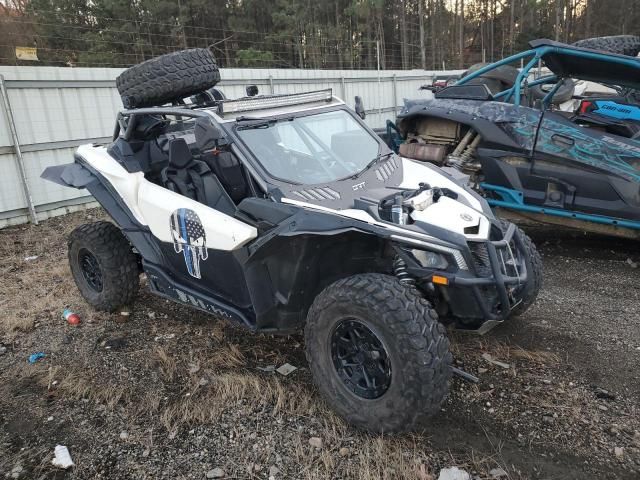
(168, 392)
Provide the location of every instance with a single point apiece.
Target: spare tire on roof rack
(620, 44)
(168, 78)
(506, 74)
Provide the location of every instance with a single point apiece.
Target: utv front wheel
(377, 353)
(103, 265)
(528, 292)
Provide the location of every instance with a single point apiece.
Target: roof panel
(587, 64)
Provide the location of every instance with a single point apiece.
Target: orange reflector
(440, 280)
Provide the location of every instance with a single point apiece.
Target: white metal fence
(56, 109)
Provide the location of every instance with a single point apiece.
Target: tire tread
(117, 260)
(168, 77)
(421, 339)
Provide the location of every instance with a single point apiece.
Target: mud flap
(69, 175)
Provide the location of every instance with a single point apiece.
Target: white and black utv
(287, 212)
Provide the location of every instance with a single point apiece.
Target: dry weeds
(201, 373)
(238, 391)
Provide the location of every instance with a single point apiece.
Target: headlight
(430, 259)
(458, 258)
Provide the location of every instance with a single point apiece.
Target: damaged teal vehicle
(499, 126)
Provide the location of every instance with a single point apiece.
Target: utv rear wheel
(103, 265)
(168, 78)
(377, 353)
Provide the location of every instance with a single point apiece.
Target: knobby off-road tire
(505, 73)
(414, 340)
(103, 265)
(167, 78)
(564, 92)
(620, 44)
(533, 262)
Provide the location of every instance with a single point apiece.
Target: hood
(369, 197)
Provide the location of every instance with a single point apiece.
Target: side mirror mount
(252, 90)
(208, 135)
(359, 108)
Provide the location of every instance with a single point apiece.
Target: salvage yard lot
(167, 391)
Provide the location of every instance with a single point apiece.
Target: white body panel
(446, 212)
(125, 183)
(157, 204)
(454, 216)
(153, 205)
(415, 173)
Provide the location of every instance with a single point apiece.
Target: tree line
(323, 34)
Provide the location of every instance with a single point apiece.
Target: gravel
(186, 390)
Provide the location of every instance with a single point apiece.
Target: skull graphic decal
(189, 239)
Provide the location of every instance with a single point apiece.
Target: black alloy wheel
(90, 268)
(360, 359)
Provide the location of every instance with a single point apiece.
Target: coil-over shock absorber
(465, 150)
(400, 271)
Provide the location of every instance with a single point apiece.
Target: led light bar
(273, 101)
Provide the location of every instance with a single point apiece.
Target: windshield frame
(257, 164)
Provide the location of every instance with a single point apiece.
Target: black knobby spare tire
(529, 291)
(620, 44)
(564, 92)
(504, 73)
(402, 346)
(169, 77)
(103, 265)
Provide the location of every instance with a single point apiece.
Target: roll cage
(230, 115)
(564, 61)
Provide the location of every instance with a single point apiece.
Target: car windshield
(317, 148)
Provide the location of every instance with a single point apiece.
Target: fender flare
(81, 175)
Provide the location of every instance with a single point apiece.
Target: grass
(37, 290)
(226, 391)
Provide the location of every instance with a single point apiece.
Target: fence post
(16, 147)
(271, 84)
(395, 95)
(344, 88)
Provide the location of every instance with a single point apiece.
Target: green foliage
(302, 33)
(250, 57)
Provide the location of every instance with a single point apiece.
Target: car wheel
(103, 265)
(377, 353)
(168, 78)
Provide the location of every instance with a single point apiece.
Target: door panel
(573, 167)
(198, 242)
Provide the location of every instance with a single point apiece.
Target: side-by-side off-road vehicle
(285, 212)
(503, 127)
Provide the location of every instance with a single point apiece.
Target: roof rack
(271, 101)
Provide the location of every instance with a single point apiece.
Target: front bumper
(505, 272)
(489, 289)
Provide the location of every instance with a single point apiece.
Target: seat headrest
(179, 153)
